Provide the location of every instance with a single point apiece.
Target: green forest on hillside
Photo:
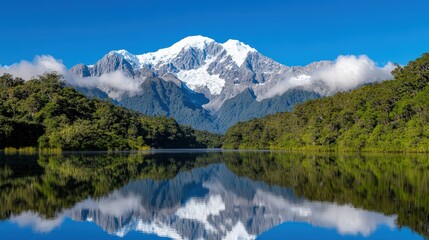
(46, 113)
(388, 116)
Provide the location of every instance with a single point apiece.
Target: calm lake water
(214, 195)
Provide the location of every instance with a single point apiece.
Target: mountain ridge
(220, 72)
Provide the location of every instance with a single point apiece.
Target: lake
(212, 194)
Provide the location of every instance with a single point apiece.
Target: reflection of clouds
(231, 208)
(348, 220)
(37, 223)
(114, 204)
(344, 218)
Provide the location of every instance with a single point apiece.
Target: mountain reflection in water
(216, 195)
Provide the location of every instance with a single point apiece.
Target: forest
(391, 116)
(46, 113)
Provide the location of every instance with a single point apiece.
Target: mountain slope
(388, 116)
(244, 106)
(164, 98)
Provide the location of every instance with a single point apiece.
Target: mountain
(389, 116)
(209, 76)
(161, 98)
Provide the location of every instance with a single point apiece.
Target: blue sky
(293, 32)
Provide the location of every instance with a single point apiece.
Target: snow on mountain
(234, 48)
(127, 56)
(165, 55)
(237, 50)
(201, 210)
(156, 227)
(200, 77)
(195, 78)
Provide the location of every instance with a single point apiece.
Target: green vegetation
(392, 116)
(46, 113)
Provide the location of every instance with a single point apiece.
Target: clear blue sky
(293, 32)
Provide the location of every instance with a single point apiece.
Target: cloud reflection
(232, 208)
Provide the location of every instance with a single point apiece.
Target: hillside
(388, 116)
(44, 112)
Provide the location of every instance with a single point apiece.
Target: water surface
(214, 195)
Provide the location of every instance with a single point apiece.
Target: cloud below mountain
(46, 64)
(345, 73)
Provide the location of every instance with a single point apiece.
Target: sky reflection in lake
(209, 201)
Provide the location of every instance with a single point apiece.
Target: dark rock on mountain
(159, 97)
(244, 106)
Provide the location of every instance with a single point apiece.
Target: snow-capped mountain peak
(237, 50)
(131, 58)
(205, 66)
(198, 42)
(166, 54)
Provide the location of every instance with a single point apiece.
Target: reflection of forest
(391, 184)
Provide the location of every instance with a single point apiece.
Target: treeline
(46, 113)
(388, 116)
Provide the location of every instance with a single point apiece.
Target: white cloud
(349, 220)
(351, 71)
(39, 66)
(37, 223)
(43, 64)
(345, 73)
(114, 80)
(346, 219)
(115, 205)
